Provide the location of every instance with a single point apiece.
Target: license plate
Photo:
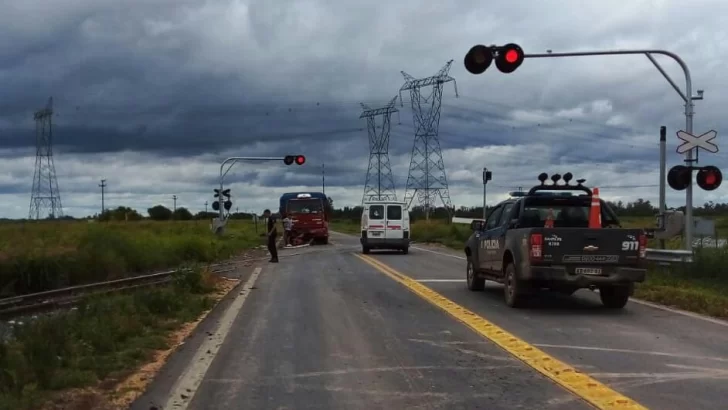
(376, 233)
(589, 271)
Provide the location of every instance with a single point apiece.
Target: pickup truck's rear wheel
(365, 250)
(513, 290)
(614, 297)
(474, 282)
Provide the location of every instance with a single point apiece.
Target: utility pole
(175, 202)
(102, 185)
(323, 179)
(663, 179)
(205, 206)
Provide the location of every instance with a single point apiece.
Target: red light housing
(536, 252)
(298, 159)
(478, 59)
(709, 178)
(510, 57)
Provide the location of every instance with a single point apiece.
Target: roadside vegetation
(42, 255)
(103, 340)
(700, 287)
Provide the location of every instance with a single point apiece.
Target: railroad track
(66, 297)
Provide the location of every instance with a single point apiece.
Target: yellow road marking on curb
(580, 384)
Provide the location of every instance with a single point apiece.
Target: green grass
(700, 287)
(38, 256)
(104, 339)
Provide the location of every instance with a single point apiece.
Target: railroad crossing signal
(298, 159)
(708, 178)
(227, 204)
(702, 141)
(224, 193)
(507, 58)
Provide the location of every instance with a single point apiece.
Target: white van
(385, 225)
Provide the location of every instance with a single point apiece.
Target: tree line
(638, 208)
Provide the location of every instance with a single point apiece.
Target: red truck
(310, 213)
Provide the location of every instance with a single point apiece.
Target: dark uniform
(272, 234)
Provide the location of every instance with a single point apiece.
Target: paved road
(325, 330)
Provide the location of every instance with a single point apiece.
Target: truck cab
(385, 225)
(309, 212)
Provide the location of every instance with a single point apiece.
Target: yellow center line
(582, 385)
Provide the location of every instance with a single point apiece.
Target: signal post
(218, 224)
(510, 56)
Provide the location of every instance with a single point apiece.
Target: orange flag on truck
(595, 211)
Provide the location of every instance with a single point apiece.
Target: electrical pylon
(45, 199)
(427, 179)
(379, 185)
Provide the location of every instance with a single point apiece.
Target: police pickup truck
(513, 246)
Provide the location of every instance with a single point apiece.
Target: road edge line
(184, 388)
(580, 384)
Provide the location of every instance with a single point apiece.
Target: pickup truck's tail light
(643, 245)
(536, 247)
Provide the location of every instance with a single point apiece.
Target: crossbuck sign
(702, 141)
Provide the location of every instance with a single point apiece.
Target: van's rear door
(376, 221)
(394, 222)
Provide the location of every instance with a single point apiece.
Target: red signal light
(510, 57)
(709, 178)
(300, 159)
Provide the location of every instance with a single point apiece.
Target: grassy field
(38, 256)
(105, 340)
(58, 358)
(700, 287)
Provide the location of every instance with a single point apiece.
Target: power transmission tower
(379, 185)
(45, 199)
(103, 206)
(174, 197)
(427, 179)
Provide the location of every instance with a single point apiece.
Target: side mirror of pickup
(513, 224)
(477, 225)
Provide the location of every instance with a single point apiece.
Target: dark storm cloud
(182, 78)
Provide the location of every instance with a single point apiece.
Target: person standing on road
(287, 227)
(272, 233)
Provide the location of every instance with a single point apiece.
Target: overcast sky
(152, 94)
